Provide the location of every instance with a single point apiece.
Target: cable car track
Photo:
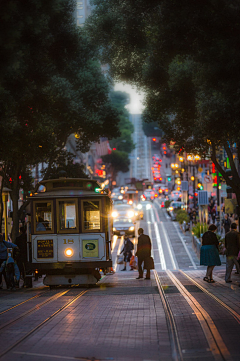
(33, 309)
(172, 328)
(223, 304)
(213, 337)
(21, 303)
(70, 302)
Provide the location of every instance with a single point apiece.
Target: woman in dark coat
(209, 255)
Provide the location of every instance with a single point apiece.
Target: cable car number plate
(45, 248)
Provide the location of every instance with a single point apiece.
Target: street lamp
(5, 192)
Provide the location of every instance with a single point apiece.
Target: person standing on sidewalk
(4, 255)
(232, 244)
(127, 251)
(209, 255)
(143, 252)
(226, 223)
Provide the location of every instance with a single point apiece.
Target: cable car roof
(69, 187)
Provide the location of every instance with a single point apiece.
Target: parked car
(122, 226)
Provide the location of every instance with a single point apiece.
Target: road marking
(186, 249)
(159, 242)
(118, 252)
(213, 337)
(169, 246)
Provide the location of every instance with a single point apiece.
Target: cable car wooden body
(131, 195)
(70, 231)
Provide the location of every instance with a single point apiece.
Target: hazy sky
(135, 106)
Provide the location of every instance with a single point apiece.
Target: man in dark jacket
(3, 255)
(143, 252)
(232, 244)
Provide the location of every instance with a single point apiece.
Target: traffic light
(154, 139)
(169, 179)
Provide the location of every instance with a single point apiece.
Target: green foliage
(190, 73)
(167, 203)
(152, 129)
(124, 142)
(198, 229)
(51, 86)
(63, 166)
(182, 216)
(117, 161)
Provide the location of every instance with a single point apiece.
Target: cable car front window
(43, 216)
(67, 215)
(91, 215)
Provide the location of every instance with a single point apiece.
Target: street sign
(202, 198)
(207, 178)
(184, 186)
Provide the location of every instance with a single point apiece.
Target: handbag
(120, 259)
(133, 262)
(149, 263)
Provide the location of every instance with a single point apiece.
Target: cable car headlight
(130, 214)
(131, 228)
(114, 214)
(68, 252)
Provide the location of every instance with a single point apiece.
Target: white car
(175, 195)
(149, 194)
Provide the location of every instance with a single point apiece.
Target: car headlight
(68, 252)
(139, 206)
(130, 214)
(120, 197)
(114, 214)
(131, 228)
(114, 229)
(136, 213)
(170, 208)
(148, 206)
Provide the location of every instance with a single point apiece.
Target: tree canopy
(51, 85)
(185, 54)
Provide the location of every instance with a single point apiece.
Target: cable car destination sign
(45, 248)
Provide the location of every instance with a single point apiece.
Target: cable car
(131, 195)
(69, 237)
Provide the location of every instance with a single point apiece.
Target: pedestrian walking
(226, 223)
(4, 255)
(21, 256)
(232, 244)
(209, 255)
(143, 253)
(127, 252)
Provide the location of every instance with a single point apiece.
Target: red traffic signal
(154, 139)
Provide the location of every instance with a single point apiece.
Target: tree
(51, 86)
(151, 129)
(185, 54)
(116, 162)
(124, 142)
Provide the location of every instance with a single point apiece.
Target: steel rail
(214, 339)
(223, 304)
(43, 322)
(21, 303)
(172, 328)
(33, 309)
